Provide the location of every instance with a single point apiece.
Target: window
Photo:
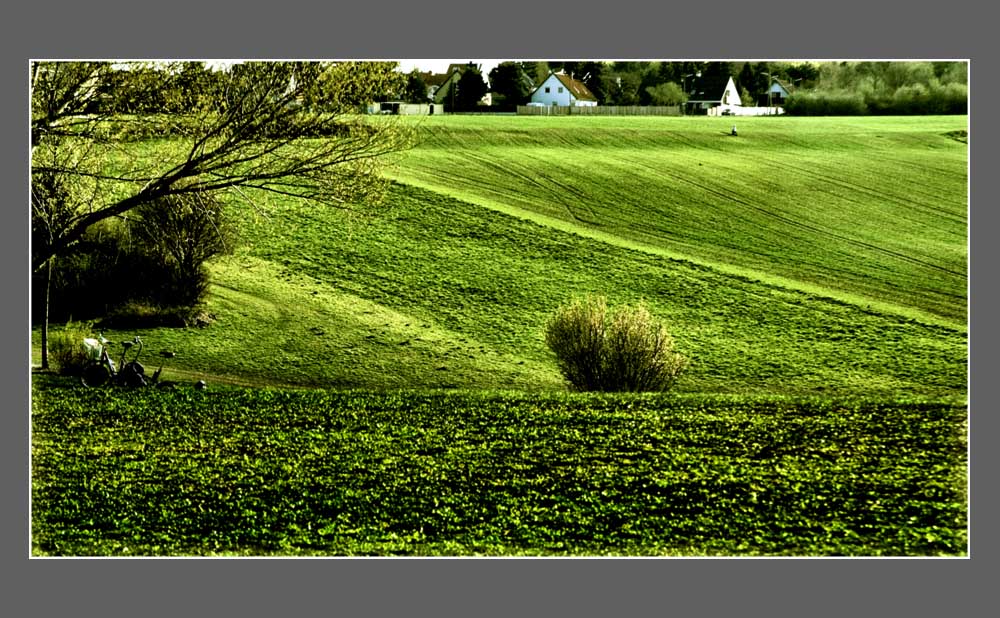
(560, 89)
(547, 90)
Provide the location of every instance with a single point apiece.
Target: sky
(432, 65)
(440, 66)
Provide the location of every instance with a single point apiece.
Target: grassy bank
(401, 398)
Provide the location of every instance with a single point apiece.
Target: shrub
(152, 264)
(66, 349)
(134, 315)
(822, 103)
(625, 350)
(181, 232)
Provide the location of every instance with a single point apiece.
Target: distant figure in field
(734, 130)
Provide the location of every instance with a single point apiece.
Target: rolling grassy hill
(845, 274)
(871, 210)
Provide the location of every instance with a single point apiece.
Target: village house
(442, 87)
(708, 92)
(777, 93)
(447, 86)
(561, 89)
(433, 81)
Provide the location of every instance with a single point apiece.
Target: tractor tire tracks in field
(936, 211)
(734, 197)
(545, 183)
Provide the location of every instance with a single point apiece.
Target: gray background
(531, 30)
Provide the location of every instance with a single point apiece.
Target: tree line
(876, 87)
(868, 87)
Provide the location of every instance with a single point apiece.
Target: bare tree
(264, 128)
(278, 128)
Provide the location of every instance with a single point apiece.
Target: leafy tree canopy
(666, 94)
(511, 82)
(471, 88)
(416, 88)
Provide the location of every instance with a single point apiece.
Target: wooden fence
(599, 110)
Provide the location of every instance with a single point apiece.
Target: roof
(456, 71)
(577, 88)
(709, 88)
(783, 85)
(459, 67)
(433, 79)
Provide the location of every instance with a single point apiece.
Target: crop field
(379, 382)
(264, 472)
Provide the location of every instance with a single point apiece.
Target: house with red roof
(562, 90)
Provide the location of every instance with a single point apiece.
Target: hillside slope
(434, 292)
(869, 210)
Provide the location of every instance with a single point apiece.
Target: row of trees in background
(818, 87)
(884, 88)
(624, 82)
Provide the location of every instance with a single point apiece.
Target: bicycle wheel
(133, 374)
(95, 374)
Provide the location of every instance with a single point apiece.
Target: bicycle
(102, 369)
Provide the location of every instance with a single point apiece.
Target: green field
(868, 208)
(818, 263)
(263, 472)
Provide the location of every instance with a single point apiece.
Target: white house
(706, 93)
(778, 91)
(564, 90)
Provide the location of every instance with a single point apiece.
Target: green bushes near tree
(625, 350)
(666, 94)
(911, 100)
(148, 270)
(68, 353)
(183, 231)
(884, 89)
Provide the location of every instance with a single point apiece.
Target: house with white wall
(563, 90)
(709, 92)
(447, 87)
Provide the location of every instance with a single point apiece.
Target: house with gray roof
(444, 92)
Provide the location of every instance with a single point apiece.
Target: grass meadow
(379, 383)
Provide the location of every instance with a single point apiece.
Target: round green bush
(623, 350)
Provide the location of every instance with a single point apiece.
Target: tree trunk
(45, 318)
